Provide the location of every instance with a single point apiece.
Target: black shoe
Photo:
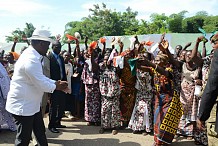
(101, 131)
(54, 130)
(60, 126)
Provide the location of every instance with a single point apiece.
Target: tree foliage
(175, 22)
(26, 32)
(106, 22)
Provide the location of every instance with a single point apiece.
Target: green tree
(143, 28)
(211, 24)
(28, 31)
(201, 13)
(175, 22)
(159, 23)
(105, 22)
(129, 22)
(191, 24)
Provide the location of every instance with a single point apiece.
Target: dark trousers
(70, 103)
(28, 124)
(57, 108)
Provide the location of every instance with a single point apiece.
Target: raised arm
(121, 47)
(187, 45)
(204, 51)
(104, 48)
(15, 42)
(77, 49)
(69, 46)
(95, 66)
(197, 60)
(159, 69)
(86, 45)
(24, 38)
(163, 46)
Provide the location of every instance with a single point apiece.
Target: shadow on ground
(7, 137)
(92, 142)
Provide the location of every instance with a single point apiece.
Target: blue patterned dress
(6, 119)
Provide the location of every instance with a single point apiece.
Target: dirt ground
(78, 134)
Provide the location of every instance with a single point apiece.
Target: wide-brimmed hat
(43, 35)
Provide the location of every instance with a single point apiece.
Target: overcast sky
(54, 14)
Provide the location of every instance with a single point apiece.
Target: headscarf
(143, 50)
(215, 37)
(163, 57)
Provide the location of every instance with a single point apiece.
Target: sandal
(114, 132)
(90, 124)
(176, 136)
(197, 143)
(189, 138)
(145, 134)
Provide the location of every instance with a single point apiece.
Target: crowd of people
(157, 94)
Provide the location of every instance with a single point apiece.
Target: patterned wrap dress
(200, 136)
(189, 101)
(110, 98)
(92, 95)
(128, 92)
(6, 119)
(168, 109)
(141, 118)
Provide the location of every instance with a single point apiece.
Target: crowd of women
(131, 88)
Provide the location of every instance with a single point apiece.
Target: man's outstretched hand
(61, 85)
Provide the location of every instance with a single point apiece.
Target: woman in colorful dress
(168, 109)
(190, 78)
(90, 77)
(110, 96)
(200, 136)
(6, 119)
(128, 91)
(141, 119)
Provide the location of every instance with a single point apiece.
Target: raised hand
(58, 37)
(162, 37)
(16, 39)
(24, 37)
(113, 39)
(86, 39)
(121, 44)
(201, 38)
(164, 45)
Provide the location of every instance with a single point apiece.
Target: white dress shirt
(28, 84)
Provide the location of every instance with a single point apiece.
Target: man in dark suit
(57, 72)
(210, 92)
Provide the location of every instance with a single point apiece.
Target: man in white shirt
(27, 87)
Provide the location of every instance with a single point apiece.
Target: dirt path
(78, 134)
